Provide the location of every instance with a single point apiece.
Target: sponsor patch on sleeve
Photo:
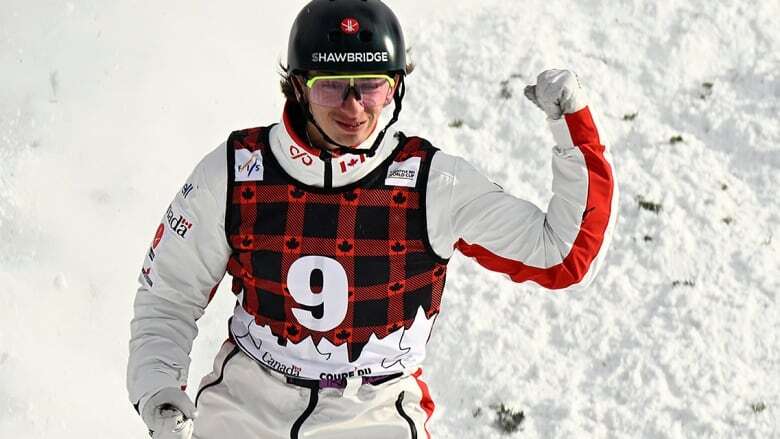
(186, 190)
(147, 274)
(249, 165)
(158, 236)
(403, 173)
(178, 223)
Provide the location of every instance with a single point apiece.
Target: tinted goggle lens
(369, 90)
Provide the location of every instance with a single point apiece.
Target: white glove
(556, 92)
(169, 414)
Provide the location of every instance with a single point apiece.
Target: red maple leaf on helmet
(350, 26)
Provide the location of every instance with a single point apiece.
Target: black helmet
(346, 36)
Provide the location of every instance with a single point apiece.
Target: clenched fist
(169, 414)
(556, 92)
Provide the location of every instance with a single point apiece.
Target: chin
(352, 139)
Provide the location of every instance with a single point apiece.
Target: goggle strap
(310, 117)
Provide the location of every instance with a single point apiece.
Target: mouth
(350, 127)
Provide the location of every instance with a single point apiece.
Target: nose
(351, 104)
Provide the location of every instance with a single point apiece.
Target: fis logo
(249, 165)
(179, 225)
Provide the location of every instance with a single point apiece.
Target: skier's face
(349, 124)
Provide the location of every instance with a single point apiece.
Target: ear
(299, 87)
(390, 96)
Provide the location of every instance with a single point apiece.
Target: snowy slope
(106, 106)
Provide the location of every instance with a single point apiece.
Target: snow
(105, 108)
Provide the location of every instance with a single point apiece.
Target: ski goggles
(370, 90)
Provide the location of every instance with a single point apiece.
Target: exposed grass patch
(457, 123)
(758, 407)
(630, 116)
(508, 420)
(649, 205)
(706, 90)
(684, 283)
(676, 139)
(506, 92)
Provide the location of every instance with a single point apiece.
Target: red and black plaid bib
(376, 232)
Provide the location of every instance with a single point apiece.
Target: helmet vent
(365, 36)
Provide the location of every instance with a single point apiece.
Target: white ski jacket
(562, 247)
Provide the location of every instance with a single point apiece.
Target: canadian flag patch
(403, 173)
(351, 161)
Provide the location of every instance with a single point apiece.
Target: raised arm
(559, 248)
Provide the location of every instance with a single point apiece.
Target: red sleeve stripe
(582, 128)
(594, 221)
(426, 402)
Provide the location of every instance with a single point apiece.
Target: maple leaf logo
(350, 196)
(248, 194)
(350, 26)
(158, 236)
(297, 193)
(292, 243)
(345, 246)
(398, 247)
(399, 198)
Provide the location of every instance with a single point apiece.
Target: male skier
(336, 229)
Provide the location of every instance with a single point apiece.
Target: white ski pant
(241, 399)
